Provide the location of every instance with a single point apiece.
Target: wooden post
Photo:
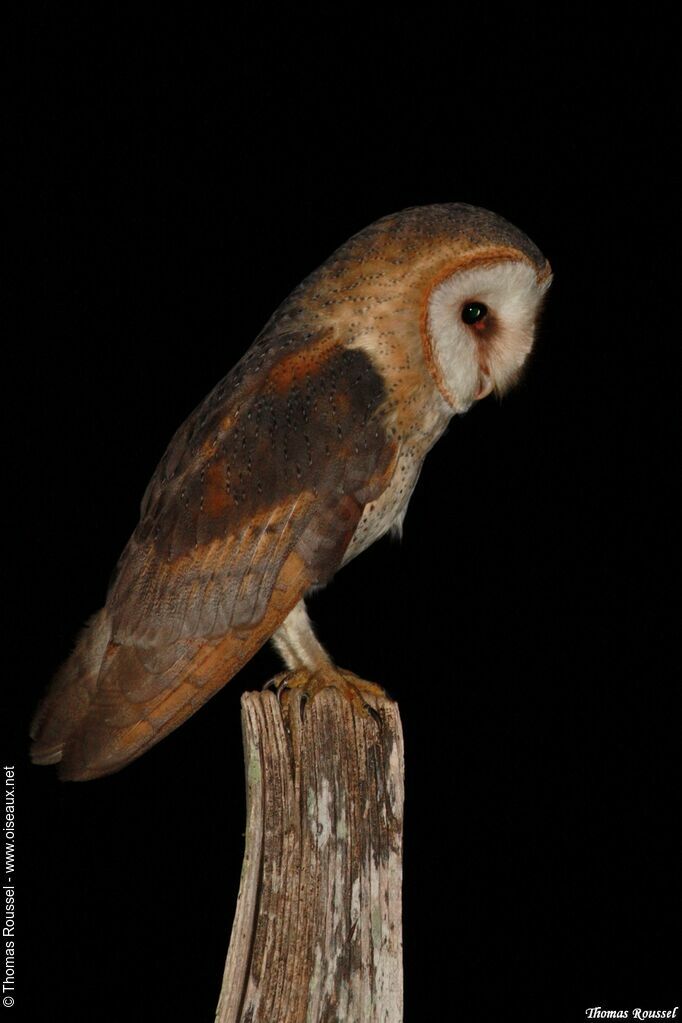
(317, 935)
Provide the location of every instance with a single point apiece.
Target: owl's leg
(310, 666)
(297, 644)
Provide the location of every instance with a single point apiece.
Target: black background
(181, 175)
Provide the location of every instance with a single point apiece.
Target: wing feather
(254, 502)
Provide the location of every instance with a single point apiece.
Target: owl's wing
(254, 502)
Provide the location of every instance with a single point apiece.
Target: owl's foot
(351, 687)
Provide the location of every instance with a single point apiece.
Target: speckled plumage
(300, 458)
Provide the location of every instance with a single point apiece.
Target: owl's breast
(389, 509)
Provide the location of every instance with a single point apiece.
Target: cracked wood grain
(317, 934)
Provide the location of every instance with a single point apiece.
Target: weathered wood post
(317, 935)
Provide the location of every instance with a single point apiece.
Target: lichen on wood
(317, 934)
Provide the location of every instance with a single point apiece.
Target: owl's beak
(485, 386)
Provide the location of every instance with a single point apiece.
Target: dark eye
(474, 312)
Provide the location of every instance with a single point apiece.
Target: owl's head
(479, 324)
(450, 288)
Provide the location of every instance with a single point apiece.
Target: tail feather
(111, 701)
(134, 707)
(107, 705)
(70, 696)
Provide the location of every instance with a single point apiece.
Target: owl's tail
(68, 699)
(111, 701)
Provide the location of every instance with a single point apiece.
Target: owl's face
(479, 327)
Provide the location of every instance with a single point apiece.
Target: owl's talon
(278, 683)
(310, 683)
(373, 712)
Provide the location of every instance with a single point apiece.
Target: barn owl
(299, 459)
